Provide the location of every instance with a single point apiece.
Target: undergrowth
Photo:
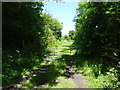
(92, 70)
(15, 64)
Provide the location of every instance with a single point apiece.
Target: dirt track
(79, 81)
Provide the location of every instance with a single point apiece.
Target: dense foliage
(98, 28)
(26, 33)
(98, 34)
(22, 25)
(53, 25)
(72, 34)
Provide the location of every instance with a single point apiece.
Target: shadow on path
(71, 72)
(45, 74)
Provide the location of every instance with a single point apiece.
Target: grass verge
(97, 75)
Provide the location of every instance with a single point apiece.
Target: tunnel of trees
(27, 32)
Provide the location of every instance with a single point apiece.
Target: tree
(26, 34)
(98, 36)
(22, 26)
(53, 24)
(72, 34)
(97, 26)
(66, 37)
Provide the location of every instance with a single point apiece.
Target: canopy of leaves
(97, 26)
(26, 34)
(98, 35)
(53, 24)
(22, 24)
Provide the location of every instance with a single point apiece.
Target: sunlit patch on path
(79, 81)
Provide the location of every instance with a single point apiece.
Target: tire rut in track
(78, 80)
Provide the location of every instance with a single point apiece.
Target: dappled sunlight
(79, 50)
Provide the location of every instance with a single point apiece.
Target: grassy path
(77, 80)
(52, 72)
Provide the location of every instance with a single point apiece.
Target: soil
(79, 81)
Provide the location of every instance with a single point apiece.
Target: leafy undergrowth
(16, 65)
(96, 77)
(107, 80)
